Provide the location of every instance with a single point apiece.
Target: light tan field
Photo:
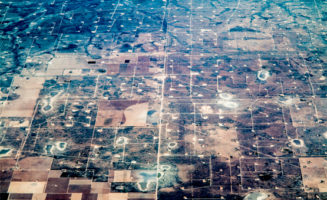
(136, 115)
(122, 176)
(26, 187)
(28, 89)
(218, 141)
(118, 196)
(127, 113)
(314, 173)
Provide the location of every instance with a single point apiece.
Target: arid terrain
(163, 99)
